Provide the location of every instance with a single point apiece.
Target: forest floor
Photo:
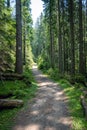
(48, 110)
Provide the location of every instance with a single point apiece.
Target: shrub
(54, 73)
(80, 78)
(43, 63)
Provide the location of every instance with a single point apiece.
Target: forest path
(48, 111)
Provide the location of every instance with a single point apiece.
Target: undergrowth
(73, 92)
(76, 111)
(19, 90)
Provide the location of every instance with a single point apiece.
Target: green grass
(6, 117)
(73, 93)
(19, 90)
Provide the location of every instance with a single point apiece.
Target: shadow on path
(48, 111)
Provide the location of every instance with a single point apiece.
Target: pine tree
(19, 62)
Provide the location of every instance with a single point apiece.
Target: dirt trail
(48, 111)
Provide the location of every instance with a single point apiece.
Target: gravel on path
(48, 110)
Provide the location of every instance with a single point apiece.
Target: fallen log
(11, 76)
(9, 103)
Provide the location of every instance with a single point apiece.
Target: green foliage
(77, 78)
(8, 34)
(7, 37)
(40, 41)
(19, 90)
(27, 33)
(54, 73)
(6, 118)
(29, 55)
(80, 78)
(74, 93)
(28, 73)
(42, 63)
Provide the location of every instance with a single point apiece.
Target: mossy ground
(19, 90)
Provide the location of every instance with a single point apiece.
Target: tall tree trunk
(63, 36)
(85, 43)
(24, 52)
(57, 32)
(81, 44)
(24, 38)
(19, 63)
(60, 40)
(84, 35)
(51, 37)
(72, 37)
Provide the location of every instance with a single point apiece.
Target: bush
(80, 78)
(54, 74)
(43, 63)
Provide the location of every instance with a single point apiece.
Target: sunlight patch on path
(30, 127)
(49, 109)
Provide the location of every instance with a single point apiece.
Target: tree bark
(19, 63)
(60, 40)
(7, 103)
(24, 37)
(24, 58)
(81, 45)
(11, 76)
(51, 36)
(63, 37)
(72, 37)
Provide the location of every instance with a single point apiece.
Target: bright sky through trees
(37, 8)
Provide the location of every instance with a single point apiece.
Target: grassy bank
(19, 90)
(74, 93)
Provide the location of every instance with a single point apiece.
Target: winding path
(48, 111)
